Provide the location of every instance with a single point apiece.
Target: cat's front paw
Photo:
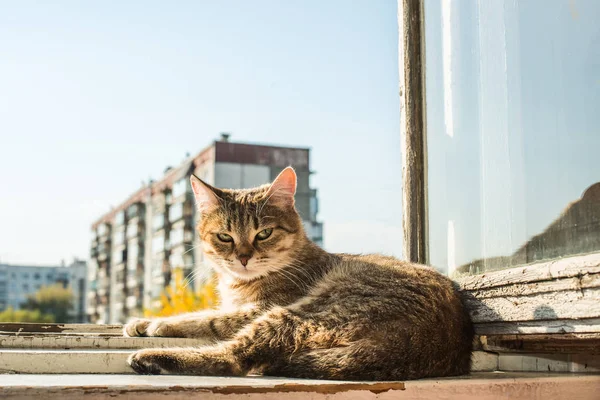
(136, 327)
(149, 327)
(153, 362)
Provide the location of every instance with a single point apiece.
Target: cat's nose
(244, 258)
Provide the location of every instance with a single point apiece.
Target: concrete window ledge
(480, 386)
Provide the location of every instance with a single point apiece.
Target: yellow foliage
(180, 297)
(11, 315)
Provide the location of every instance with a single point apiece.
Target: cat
(291, 309)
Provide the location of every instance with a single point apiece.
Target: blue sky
(97, 96)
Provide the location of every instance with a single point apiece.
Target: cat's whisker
(187, 251)
(201, 270)
(290, 277)
(299, 269)
(267, 200)
(298, 272)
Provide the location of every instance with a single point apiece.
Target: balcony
(135, 210)
(119, 237)
(180, 211)
(160, 221)
(120, 218)
(180, 236)
(135, 230)
(103, 231)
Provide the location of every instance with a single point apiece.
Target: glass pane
(513, 100)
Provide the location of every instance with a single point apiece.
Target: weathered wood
(483, 361)
(64, 362)
(22, 327)
(571, 343)
(481, 386)
(80, 361)
(545, 271)
(544, 306)
(412, 121)
(548, 362)
(87, 341)
(578, 282)
(588, 325)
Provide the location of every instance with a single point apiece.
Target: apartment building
(137, 245)
(18, 282)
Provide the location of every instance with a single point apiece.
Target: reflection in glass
(513, 132)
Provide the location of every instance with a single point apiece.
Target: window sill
(476, 386)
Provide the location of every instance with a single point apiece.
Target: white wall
(241, 176)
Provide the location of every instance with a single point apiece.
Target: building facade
(137, 246)
(18, 282)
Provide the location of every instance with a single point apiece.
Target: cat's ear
(282, 190)
(205, 195)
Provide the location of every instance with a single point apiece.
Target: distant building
(136, 246)
(18, 282)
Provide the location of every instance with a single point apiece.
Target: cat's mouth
(249, 272)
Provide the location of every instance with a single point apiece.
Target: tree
(53, 300)
(11, 315)
(180, 298)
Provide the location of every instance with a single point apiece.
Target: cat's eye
(264, 234)
(223, 237)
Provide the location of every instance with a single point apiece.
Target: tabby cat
(292, 309)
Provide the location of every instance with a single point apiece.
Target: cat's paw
(136, 327)
(158, 328)
(153, 362)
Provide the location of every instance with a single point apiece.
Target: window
(120, 218)
(119, 237)
(135, 256)
(37, 276)
(158, 244)
(512, 134)
(103, 229)
(176, 237)
(158, 222)
(119, 256)
(134, 210)
(133, 230)
(180, 187)
(176, 212)
(507, 184)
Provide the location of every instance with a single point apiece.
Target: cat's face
(249, 233)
